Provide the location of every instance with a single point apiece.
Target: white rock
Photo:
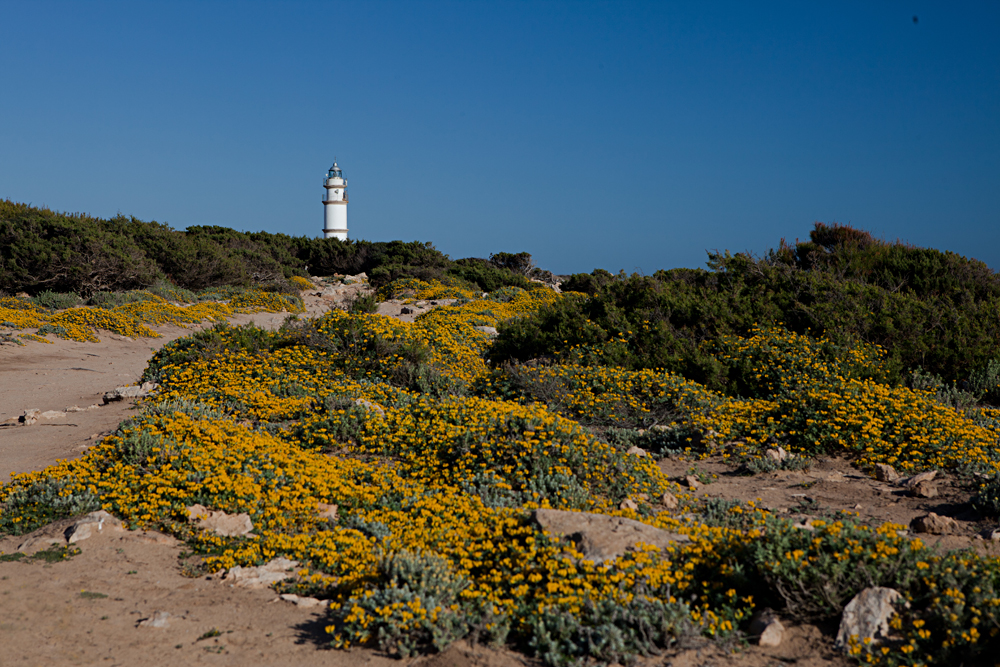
(910, 482)
(628, 504)
(886, 473)
(29, 417)
(767, 627)
(121, 393)
(261, 576)
(867, 616)
(778, 455)
(600, 537)
(52, 414)
(159, 619)
(327, 511)
(91, 524)
(934, 524)
(669, 500)
(220, 523)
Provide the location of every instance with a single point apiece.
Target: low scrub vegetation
(436, 442)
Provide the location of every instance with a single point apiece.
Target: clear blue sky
(620, 135)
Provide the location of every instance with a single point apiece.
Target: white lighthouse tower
(335, 204)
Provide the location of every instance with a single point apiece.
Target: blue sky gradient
(620, 135)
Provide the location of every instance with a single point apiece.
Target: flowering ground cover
(435, 459)
(130, 319)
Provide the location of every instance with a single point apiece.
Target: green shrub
(25, 508)
(609, 632)
(57, 300)
(363, 303)
(207, 344)
(412, 610)
(114, 299)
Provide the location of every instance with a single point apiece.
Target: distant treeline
(42, 250)
(930, 309)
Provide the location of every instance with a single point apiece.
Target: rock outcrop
(599, 537)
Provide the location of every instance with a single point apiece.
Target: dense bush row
(930, 309)
(41, 250)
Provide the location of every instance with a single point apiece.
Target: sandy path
(69, 373)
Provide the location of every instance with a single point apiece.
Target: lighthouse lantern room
(335, 204)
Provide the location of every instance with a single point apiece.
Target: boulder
(599, 537)
(767, 627)
(669, 500)
(489, 331)
(866, 617)
(90, 524)
(637, 451)
(30, 417)
(220, 523)
(691, 482)
(327, 511)
(923, 489)
(261, 576)
(910, 482)
(778, 455)
(159, 619)
(934, 524)
(886, 473)
(628, 504)
(122, 393)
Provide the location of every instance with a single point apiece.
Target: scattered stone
(886, 473)
(778, 455)
(867, 616)
(628, 504)
(52, 414)
(806, 523)
(220, 523)
(29, 417)
(767, 626)
(261, 576)
(92, 523)
(121, 393)
(599, 537)
(327, 511)
(637, 451)
(910, 482)
(159, 619)
(669, 501)
(75, 408)
(923, 489)
(934, 524)
(691, 482)
(300, 601)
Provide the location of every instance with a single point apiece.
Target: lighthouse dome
(334, 172)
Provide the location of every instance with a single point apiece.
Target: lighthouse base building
(335, 205)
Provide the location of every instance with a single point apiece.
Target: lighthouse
(335, 204)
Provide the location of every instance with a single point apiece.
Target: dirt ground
(89, 609)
